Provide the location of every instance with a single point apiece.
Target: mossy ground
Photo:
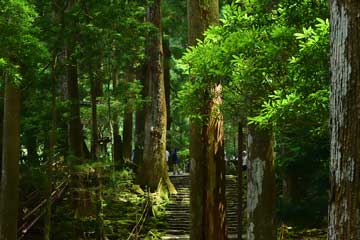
(123, 205)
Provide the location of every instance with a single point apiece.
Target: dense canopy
(191, 119)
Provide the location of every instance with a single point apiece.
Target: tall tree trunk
(74, 124)
(1, 129)
(117, 143)
(80, 195)
(214, 221)
(344, 204)
(206, 141)
(154, 168)
(51, 151)
(240, 180)
(94, 91)
(58, 76)
(261, 184)
(128, 124)
(127, 134)
(167, 57)
(94, 129)
(140, 122)
(9, 194)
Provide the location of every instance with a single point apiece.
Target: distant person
(244, 159)
(167, 155)
(132, 155)
(175, 162)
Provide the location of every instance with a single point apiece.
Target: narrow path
(178, 211)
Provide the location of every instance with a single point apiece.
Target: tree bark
(198, 178)
(140, 122)
(94, 91)
(94, 129)
(75, 138)
(344, 204)
(167, 57)
(154, 168)
(201, 14)
(261, 184)
(1, 130)
(51, 151)
(9, 194)
(206, 141)
(128, 125)
(127, 134)
(80, 195)
(214, 221)
(117, 143)
(240, 150)
(57, 77)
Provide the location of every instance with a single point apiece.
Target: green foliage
(273, 62)
(20, 51)
(160, 200)
(204, 67)
(174, 23)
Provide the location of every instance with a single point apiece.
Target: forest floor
(124, 214)
(123, 209)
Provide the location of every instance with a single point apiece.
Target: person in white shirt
(167, 155)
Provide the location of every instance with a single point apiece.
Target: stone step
(184, 227)
(174, 237)
(178, 210)
(179, 219)
(180, 196)
(180, 203)
(176, 232)
(182, 208)
(187, 196)
(179, 222)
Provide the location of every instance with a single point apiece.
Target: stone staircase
(178, 211)
(231, 206)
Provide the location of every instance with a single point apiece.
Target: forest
(179, 119)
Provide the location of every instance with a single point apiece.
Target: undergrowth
(123, 209)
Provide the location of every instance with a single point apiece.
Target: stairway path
(178, 211)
